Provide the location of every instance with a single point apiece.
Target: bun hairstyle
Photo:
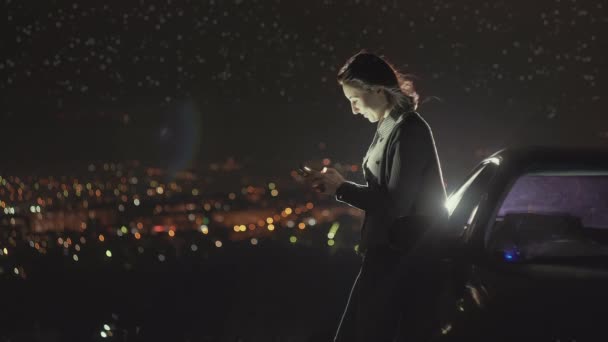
(365, 70)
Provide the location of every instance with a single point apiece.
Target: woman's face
(365, 102)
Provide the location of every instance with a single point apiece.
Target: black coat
(408, 190)
(406, 199)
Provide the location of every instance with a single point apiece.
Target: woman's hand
(329, 178)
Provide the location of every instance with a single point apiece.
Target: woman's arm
(412, 152)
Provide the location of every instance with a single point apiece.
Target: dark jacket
(410, 184)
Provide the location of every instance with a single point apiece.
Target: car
(524, 253)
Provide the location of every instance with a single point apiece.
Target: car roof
(517, 157)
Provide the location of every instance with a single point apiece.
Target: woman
(404, 194)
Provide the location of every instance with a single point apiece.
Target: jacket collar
(398, 113)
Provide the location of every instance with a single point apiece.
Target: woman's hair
(365, 70)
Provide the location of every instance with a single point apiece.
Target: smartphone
(304, 170)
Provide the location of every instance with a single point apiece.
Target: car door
(461, 295)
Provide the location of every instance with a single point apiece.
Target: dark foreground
(239, 292)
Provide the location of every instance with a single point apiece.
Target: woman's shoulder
(412, 121)
(411, 127)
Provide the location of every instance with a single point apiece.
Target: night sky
(188, 81)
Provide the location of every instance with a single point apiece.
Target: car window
(547, 215)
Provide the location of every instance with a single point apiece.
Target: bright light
(451, 202)
(271, 227)
(108, 253)
(472, 217)
(171, 233)
(269, 220)
(331, 242)
(136, 202)
(106, 327)
(124, 230)
(75, 257)
(494, 160)
(218, 243)
(288, 211)
(101, 238)
(293, 239)
(103, 334)
(204, 229)
(511, 255)
(274, 193)
(455, 198)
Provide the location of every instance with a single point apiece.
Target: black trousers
(391, 300)
(373, 310)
